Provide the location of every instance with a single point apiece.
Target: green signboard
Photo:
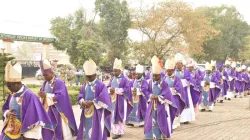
(26, 38)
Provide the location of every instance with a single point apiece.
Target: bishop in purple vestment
(223, 84)
(188, 114)
(161, 109)
(121, 98)
(194, 81)
(231, 75)
(140, 91)
(176, 88)
(239, 83)
(55, 98)
(95, 121)
(23, 114)
(245, 79)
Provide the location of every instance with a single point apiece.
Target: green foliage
(233, 31)
(4, 58)
(79, 37)
(73, 98)
(115, 22)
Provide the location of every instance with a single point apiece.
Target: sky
(32, 17)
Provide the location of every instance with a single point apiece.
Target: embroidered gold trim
(13, 129)
(64, 118)
(89, 112)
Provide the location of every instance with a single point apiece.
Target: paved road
(228, 121)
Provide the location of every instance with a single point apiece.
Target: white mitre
(233, 65)
(117, 64)
(238, 69)
(227, 62)
(13, 73)
(190, 63)
(170, 64)
(89, 67)
(248, 69)
(139, 68)
(156, 66)
(179, 57)
(243, 67)
(45, 66)
(208, 66)
(213, 62)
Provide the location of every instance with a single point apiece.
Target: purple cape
(142, 99)
(239, 82)
(232, 83)
(63, 106)
(225, 84)
(101, 94)
(195, 88)
(119, 105)
(161, 112)
(185, 89)
(245, 81)
(215, 91)
(179, 100)
(31, 104)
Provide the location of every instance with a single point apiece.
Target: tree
(169, 27)
(4, 58)
(246, 52)
(115, 22)
(81, 38)
(233, 31)
(22, 53)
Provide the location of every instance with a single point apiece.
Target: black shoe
(186, 122)
(210, 111)
(229, 99)
(141, 125)
(203, 110)
(235, 96)
(225, 98)
(221, 101)
(116, 136)
(128, 124)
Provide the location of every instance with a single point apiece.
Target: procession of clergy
(159, 102)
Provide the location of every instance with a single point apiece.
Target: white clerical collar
(20, 90)
(93, 82)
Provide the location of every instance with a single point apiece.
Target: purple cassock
(175, 84)
(95, 123)
(216, 80)
(118, 107)
(30, 113)
(138, 113)
(184, 76)
(159, 119)
(223, 76)
(239, 82)
(225, 83)
(195, 87)
(62, 109)
(245, 79)
(231, 78)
